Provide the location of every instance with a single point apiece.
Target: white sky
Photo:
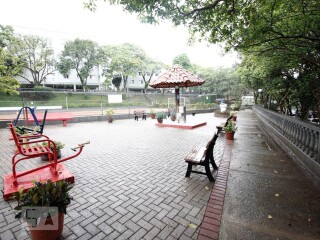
(67, 19)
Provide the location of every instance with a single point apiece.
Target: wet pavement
(130, 184)
(268, 196)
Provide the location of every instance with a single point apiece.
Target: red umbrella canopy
(176, 77)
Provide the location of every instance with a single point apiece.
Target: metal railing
(304, 136)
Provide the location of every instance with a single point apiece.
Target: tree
(10, 66)
(116, 81)
(183, 61)
(222, 81)
(285, 83)
(285, 27)
(148, 69)
(38, 58)
(123, 60)
(80, 55)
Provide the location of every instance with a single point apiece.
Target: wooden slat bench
(56, 116)
(202, 156)
(222, 125)
(140, 113)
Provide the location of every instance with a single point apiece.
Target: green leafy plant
(233, 113)
(235, 106)
(59, 145)
(160, 115)
(44, 194)
(230, 127)
(109, 112)
(152, 111)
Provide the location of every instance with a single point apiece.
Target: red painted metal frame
(54, 170)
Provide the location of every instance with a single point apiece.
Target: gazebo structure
(176, 77)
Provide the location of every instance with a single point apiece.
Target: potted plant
(45, 203)
(59, 146)
(152, 114)
(230, 129)
(160, 116)
(173, 115)
(234, 115)
(109, 113)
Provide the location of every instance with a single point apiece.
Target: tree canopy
(183, 60)
(80, 55)
(127, 60)
(37, 56)
(288, 29)
(10, 65)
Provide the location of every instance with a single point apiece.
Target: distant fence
(100, 100)
(301, 138)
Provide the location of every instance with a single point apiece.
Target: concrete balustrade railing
(303, 139)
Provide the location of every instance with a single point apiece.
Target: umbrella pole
(177, 99)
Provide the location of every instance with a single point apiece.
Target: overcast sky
(67, 19)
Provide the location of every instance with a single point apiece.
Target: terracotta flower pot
(153, 116)
(49, 234)
(234, 118)
(173, 118)
(160, 120)
(229, 135)
(110, 119)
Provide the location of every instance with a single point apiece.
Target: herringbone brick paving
(130, 181)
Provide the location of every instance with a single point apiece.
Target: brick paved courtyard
(130, 181)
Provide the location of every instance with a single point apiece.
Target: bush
(42, 93)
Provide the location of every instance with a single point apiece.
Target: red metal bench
(56, 116)
(33, 148)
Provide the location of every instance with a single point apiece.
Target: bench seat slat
(196, 155)
(36, 150)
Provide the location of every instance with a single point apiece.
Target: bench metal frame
(141, 113)
(205, 161)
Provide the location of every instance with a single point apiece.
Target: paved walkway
(130, 184)
(267, 195)
(130, 181)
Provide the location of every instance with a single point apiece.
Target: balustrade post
(312, 143)
(282, 126)
(303, 140)
(307, 149)
(317, 150)
(290, 131)
(296, 134)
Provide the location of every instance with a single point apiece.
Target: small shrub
(42, 93)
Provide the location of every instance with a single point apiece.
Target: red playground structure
(28, 147)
